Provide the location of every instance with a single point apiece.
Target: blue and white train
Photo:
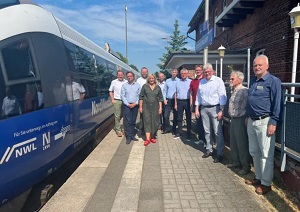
(39, 50)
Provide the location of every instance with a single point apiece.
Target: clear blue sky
(148, 21)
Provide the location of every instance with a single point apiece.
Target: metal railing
(290, 126)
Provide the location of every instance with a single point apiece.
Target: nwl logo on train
(20, 149)
(28, 146)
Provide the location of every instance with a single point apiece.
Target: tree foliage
(134, 67)
(124, 59)
(175, 42)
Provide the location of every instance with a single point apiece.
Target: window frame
(10, 41)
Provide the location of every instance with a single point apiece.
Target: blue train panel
(34, 145)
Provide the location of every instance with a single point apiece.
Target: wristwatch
(221, 109)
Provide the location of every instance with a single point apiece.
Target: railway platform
(170, 175)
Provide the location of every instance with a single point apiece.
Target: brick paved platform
(170, 176)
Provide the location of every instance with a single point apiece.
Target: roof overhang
(179, 59)
(236, 11)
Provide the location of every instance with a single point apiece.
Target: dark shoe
(243, 172)
(134, 139)
(207, 154)
(218, 159)
(166, 131)
(254, 182)
(233, 165)
(177, 136)
(188, 137)
(173, 133)
(159, 128)
(128, 140)
(262, 189)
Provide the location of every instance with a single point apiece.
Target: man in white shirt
(115, 97)
(211, 98)
(74, 90)
(40, 97)
(142, 80)
(10, 105)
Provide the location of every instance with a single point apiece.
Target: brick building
(263, 26)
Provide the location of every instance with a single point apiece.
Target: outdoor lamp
(295, 24)
(221, 50)
(295, 17)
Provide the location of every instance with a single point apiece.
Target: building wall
(267, 28)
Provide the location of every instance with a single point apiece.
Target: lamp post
(295, 24)
(126, 32)
(221, 50)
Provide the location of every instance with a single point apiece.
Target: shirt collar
(199, 78)
(264, 78)
(213, 77)
(238, 87)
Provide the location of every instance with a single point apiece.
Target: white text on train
(98, 107)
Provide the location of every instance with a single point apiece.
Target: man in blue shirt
(182, 103)
(211, 98)
(130, 96)
(264, 111)
(169, 101)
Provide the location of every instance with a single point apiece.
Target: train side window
(18, 61)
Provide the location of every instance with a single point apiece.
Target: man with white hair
(211, 98)
(182, 104)
(238, 131)
(264, 110)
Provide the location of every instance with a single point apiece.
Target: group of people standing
(131, 97)
(254, 113)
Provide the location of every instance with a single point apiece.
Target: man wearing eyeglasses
(238, 131)
(211, 98)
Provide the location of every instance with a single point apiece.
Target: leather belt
(259, 117)
(238, 117)
(183, 100)
(209, 106)
(118, 99)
